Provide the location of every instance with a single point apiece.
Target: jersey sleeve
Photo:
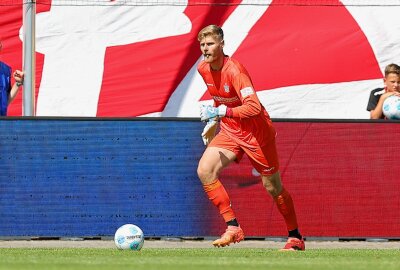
(251, 105)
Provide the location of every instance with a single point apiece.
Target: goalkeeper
(246, 128)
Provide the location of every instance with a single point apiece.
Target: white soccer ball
(129, 236)
(391, 107)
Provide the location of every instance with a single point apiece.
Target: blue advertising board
(84, 177)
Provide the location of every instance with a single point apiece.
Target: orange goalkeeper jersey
(233, 87)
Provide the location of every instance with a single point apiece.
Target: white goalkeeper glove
(209, 131)
(210, 112)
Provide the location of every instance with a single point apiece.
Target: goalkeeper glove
(209, 131)
(209, 112)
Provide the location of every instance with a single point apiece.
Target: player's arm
(251, 105)
(378, 111)
(13, 93)
(19, 80)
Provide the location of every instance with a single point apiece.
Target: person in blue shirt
(8, 91)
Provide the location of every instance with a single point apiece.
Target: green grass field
(195, 258)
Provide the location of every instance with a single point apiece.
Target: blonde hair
(211, 30)
(392, 69)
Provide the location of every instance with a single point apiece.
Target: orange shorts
(263, 158)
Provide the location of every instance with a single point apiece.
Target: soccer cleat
(233, 234)
(294, 244)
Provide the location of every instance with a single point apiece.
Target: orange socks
(219, 197)
(285, 206)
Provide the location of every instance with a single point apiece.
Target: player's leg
(284, 202)
(211, 164)
(265, 161)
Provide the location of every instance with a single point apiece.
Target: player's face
(212, 50)
(392, 82)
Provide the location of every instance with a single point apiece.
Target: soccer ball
(129, 236)
(391, 107)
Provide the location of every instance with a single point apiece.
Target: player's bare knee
(205, 173)
(272, 184)
(270, 189)
(200, 172)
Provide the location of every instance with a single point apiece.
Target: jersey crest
(226, 88)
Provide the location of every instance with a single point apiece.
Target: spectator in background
(378, 95)
(8, 91)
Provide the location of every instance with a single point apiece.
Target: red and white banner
(115, 58)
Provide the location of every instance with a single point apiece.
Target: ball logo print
(129, 237)
(391, 107)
